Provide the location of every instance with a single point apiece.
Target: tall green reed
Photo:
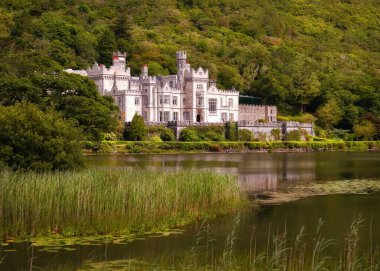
(96, 201)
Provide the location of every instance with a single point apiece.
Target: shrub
(294, 135)
(245, 135)
(188, 135)
(155, 138)
(213, 136)
(276, 134)
(37, 140)
(167, 134)
(137, 130)
(231, 131)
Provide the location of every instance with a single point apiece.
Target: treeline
(319, 57)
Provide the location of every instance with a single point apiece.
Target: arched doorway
(198, 118)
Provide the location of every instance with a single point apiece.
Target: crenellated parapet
(199, 73)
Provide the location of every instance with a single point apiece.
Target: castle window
(231, 117)
(166, 115)
(212, 105)
(175, 116)
(200, 86)
(230, 102)
(199, 101)
(137, 101)
(175, 100)
(224, 117)
(161, 100)
(171, 84)
(166, 99)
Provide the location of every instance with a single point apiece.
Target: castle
(189, 97)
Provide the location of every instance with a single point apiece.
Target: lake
(256, 172)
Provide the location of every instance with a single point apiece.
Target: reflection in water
(258, 171)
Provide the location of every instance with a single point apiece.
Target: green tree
(137, 130)
(231, 131)
(329, 114)
(106, 46)
(77, 98)
(37, 140)
(365, 130)
(6, 23)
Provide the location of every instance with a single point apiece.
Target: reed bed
(96, 201)
(281, 253)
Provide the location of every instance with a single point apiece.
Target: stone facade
(185, 99)
(253, 113)
(188, 95)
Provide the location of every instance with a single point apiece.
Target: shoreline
(298, 192)
(178, 147)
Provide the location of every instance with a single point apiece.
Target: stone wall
(254, 113)
(262, 131)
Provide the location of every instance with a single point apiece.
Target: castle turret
(118, 60)
(145, 71)
(181, 62)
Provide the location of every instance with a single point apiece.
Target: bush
(37, 140)
(137, 130)
(294, 135)
(155, 138)
(167, 134)
(213, 136)
(276, 134)
(188, 135)
(245, 135)
(231, 131)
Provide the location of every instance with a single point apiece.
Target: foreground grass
(281, 253)
(95, 201)
(122, 147)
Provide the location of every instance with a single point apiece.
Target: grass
(303, 252)
(122, 147)
(95, 201)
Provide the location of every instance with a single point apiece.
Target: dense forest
(306, 56)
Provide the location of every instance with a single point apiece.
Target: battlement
(181, 55)
(229, 91)
(199, 73)
(119, 54)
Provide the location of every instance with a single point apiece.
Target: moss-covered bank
(300, 191)
(120, 201)
(124, 147)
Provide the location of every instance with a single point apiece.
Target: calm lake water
(256, 172)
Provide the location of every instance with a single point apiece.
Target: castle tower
(181, 62)
(118, 60)
(145, 71)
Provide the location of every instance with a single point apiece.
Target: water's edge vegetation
(96, 201)
(300, 191)
(124, 147)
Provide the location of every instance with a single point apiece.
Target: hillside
(299, 54)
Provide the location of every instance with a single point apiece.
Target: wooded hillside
(321, 57)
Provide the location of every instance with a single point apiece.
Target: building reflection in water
(256, 172)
